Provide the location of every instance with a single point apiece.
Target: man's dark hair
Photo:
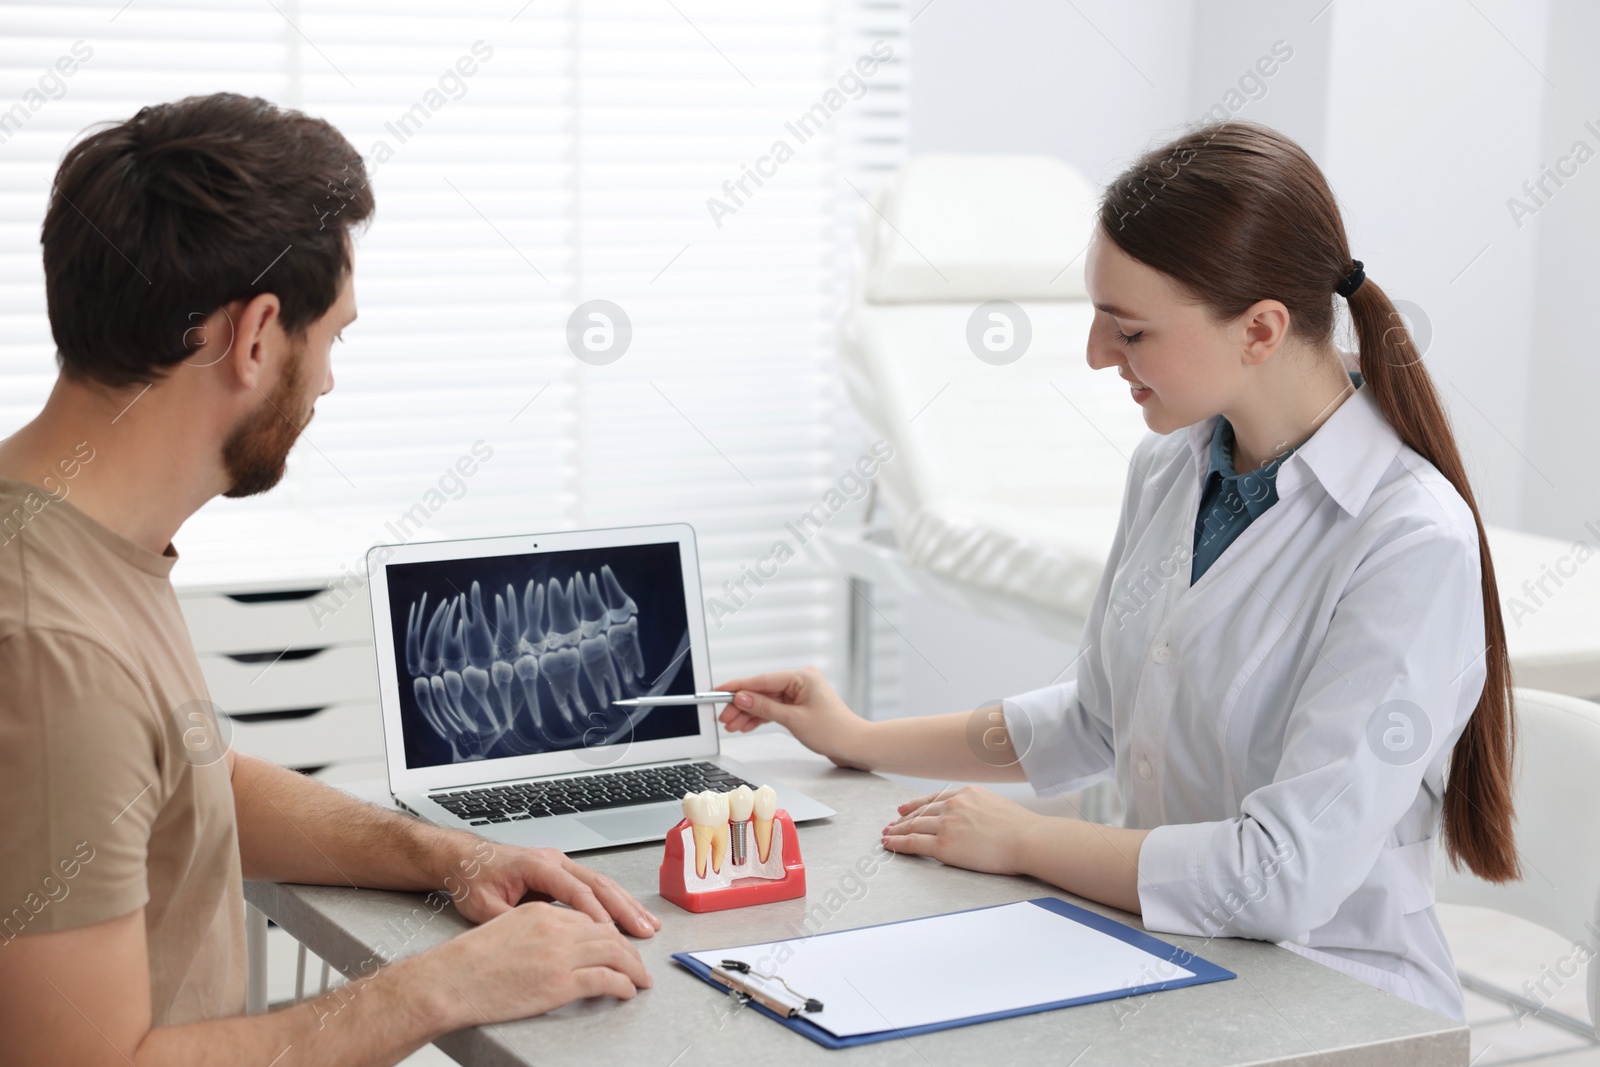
(156, 222)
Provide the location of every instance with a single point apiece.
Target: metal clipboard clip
(727, 975)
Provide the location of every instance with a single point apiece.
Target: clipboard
(967, 960)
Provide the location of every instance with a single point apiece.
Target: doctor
(1295, 664)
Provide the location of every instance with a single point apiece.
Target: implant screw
(739, 840)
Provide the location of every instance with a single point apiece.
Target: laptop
(499, 661)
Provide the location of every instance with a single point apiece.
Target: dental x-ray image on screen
(523, 654)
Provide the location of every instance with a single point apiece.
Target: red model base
(744, 891)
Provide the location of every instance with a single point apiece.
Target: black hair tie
(1352, 281)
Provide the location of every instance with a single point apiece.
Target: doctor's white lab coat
(1284, 725)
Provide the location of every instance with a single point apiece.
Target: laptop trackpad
(635, 823)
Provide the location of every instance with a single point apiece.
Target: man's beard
(256, 452)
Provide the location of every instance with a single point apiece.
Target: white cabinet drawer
(333, 733)
(295, 679)
(293, 615)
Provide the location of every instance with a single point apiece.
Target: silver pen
(715, 697)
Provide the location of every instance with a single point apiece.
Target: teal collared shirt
(1230, 501)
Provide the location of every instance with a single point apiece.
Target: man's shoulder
(56, 672)
(59, 572)
(70, 624)
(20, 504)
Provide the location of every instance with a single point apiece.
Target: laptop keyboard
(590, 792)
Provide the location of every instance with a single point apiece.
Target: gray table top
(1282, 1008)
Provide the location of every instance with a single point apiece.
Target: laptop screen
(517, 655)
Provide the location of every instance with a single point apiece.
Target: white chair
(1558, 807)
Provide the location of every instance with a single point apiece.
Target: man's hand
(487, 879)
(82, 996)
(296, 829)
(526, 961)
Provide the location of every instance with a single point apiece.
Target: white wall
(1229, 42)
(1564, 376)
(1433, 119)
(1038, 76)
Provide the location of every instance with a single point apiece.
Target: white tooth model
(697, 809)
(741, 802)
(766, 806)
(717, 815)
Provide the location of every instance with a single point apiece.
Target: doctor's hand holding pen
(964, 826)
(930, 746)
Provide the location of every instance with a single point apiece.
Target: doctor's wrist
(853, 744)
(1028, 842)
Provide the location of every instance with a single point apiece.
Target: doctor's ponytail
(1236, 212)
(1477, 799)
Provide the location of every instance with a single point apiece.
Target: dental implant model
(741, 802)
(709, 864)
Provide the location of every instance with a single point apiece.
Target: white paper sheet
(949, 967)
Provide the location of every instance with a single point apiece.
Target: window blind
(527, 158)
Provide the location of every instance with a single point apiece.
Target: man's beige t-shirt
(112, 778)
